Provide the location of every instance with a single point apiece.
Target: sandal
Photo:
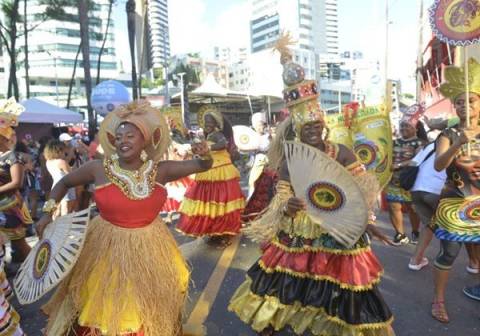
(439, 312)
(223, 243)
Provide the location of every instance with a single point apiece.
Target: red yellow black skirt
(213, 204)
(316, 285)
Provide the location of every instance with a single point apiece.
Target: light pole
(182, 97)
(164, 31)
(56, 74)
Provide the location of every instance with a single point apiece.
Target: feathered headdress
(300, 95)
(10, 110)
(454, 84)
(211, 111)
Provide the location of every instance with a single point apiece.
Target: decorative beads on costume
(50, 207)
(307, 89)
(136, 185)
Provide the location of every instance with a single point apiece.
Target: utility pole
(420, 54)
(130, 9)
(182, 99)
(387, 23)
(165, 67)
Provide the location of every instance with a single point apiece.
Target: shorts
(425, 204)
(397, 194)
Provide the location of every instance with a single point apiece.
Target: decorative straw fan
(246, 138)
(334, 200)
(52, 259)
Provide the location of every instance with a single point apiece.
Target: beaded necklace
(136, 185)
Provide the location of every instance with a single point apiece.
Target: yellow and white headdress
(10, 110)
(300, 95)
(146, 118)
(211, 111)
(454, 84)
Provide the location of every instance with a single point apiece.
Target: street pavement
(217, 273)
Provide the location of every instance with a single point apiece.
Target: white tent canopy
(39, 111)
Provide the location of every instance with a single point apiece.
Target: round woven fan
(246, 138)
(334, 200)
(52, 258)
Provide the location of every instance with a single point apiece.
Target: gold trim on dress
(307, 248)
(263, 311)
(354, 288)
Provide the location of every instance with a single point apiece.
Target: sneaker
(400, 239)
(418, 267)
(472, 292)
(414, 239)
(472, 270)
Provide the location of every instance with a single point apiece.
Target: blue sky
(198, 25)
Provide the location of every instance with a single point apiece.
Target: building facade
(312, 23)
(158, 33)
(53, 47)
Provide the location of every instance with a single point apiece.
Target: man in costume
(458, 151)
(130, 277)
(305, 279)
(214, 202)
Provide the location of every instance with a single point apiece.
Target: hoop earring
(327, 133)
(143, 155)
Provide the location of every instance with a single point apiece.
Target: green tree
(105, 36)
(130, 9)
(85, 41)
(9, 34)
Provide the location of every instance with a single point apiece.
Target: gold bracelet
(206, 157)
(50, 206)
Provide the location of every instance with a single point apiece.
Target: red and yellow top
(116, 208)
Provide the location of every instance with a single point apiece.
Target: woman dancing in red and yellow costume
(130, 277)
(214, 203)
(305, 279)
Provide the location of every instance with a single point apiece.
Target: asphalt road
(216, 274)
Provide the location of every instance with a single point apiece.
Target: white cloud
(188, 27)
(192, 31)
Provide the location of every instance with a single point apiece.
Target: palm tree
(9, 37)
(85, 41)
(9, 34)
(72, 79)
(130, 8)
(110, 7)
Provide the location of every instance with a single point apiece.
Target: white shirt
(428, 179)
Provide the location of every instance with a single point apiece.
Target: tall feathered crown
(213, 112)
(454, 85)
(300, 95)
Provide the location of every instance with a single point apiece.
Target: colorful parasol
(457, 22)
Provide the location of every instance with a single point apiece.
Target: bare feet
(439, 312)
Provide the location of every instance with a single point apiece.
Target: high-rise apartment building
(312, 23)
(53, 47)
(158, 33)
